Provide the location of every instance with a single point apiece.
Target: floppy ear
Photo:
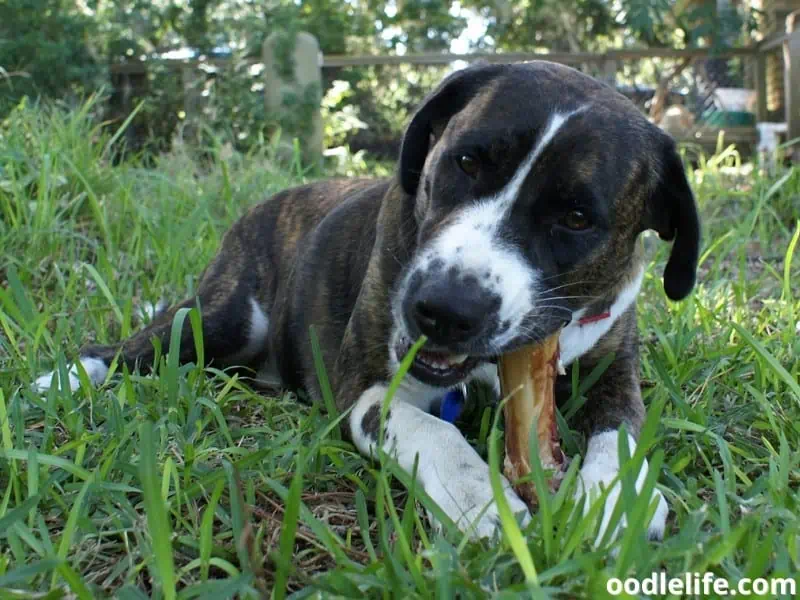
(453, 94)
(671, 211)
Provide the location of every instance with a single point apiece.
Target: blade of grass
(67, 536)
(544, 508)
(779, 369)
(27, 573)
(121, 129)
(173, 358)
(17, 514)
(101, 283)
(289, 529)
(324, 382)
(96, 208)
(239, 521)
(75, 582)
(207, 529)
(162, 565)
(401, 534)
(394, 384)
(511, 530)
(50, 461)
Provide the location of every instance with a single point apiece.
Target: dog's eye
(469, 164)
(576, 220)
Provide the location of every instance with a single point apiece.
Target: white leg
(95, 368)
(600, 468)
(450, 470)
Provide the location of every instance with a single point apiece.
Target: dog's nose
(449, 314)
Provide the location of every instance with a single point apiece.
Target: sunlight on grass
(190, 484)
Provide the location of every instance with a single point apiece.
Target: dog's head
(531, 184)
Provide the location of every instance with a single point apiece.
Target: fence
(693, 67)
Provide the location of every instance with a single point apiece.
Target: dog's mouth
(437, 368)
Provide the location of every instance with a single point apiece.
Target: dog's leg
(449, 469)
(600, 469)
(234, 332)
(235, 327)
(614, 400)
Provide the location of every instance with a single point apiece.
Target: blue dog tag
(451, 406)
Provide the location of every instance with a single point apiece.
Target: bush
(45, 51)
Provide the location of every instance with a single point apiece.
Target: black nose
(450, 314)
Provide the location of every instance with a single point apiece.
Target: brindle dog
(516, 208)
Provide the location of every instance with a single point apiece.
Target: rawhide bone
(528, 375)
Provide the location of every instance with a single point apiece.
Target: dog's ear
(671, 211)
(452, 95)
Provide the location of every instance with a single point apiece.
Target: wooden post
(610, 66)
(762, 112)
(791, 74)
(192, 84)
(293, 69)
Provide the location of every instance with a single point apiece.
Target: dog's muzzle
(450, 314)
(457, 316)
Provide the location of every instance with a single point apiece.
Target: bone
(528, 376)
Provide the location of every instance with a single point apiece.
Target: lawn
(189, 484)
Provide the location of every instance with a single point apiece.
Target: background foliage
(62, 49)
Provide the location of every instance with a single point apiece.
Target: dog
(517, 205)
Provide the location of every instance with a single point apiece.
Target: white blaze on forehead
(509, 194)
(471, 244)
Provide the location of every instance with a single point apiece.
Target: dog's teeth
(442, 363)
(458, 359)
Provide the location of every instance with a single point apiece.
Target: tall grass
(189, 484)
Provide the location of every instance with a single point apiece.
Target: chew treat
(528, 375)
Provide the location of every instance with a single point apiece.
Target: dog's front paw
(599, 472)
(592, 483)
(465, 495)
(95, 368)
(44, 382)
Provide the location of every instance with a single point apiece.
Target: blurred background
(194, 68)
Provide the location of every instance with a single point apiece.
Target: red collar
(594, 318)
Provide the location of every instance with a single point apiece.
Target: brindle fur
(329, 254)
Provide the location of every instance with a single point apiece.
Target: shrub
(45, 51)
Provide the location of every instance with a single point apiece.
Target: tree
(596, 25)
(553, 25)
(45, 50)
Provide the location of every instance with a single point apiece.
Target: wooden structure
(298, 77)
(791, 60)
(782, 46)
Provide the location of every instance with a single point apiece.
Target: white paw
(599, 471)
(95, 369)
(449, 469)
(466, 497)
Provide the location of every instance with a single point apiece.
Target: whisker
(554, 307)
(573, 297)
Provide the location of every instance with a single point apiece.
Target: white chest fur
(577, 338)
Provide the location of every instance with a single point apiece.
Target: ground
(190, 484)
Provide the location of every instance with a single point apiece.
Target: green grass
(189, 484)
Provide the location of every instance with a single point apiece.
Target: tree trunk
(659, 102)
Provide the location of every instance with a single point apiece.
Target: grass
(188, 484)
